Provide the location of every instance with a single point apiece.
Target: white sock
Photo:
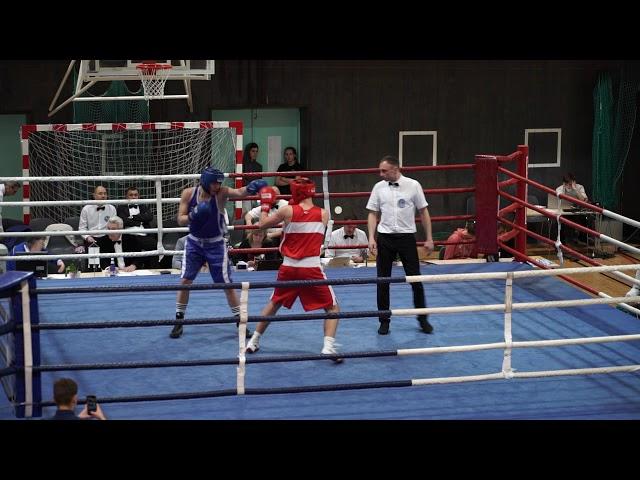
(328, 341)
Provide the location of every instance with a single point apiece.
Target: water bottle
(112, 268)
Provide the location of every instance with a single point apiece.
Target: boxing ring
(373, 386)
(510, 341)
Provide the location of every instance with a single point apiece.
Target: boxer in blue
(202, 208)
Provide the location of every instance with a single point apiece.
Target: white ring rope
(28, 347)
(508, 336)
(242, 336)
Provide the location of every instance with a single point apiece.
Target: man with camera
(65, 394)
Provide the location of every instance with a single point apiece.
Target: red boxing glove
(267, 198)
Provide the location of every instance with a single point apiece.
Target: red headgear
(301, 188)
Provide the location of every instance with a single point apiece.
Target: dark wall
(352, 111)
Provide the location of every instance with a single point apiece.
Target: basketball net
(153, 77)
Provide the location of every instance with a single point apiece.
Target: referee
(393, 202)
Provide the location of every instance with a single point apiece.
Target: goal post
(113, 149)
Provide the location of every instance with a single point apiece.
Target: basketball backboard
(92, 71)
(127, 69)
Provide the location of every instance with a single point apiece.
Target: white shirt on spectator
(577, 192)
(254, 213)
(397, 204)
(337, 238)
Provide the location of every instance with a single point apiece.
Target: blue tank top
(215, 226)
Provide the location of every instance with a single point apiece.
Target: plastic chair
(10, 242)
(70, 240)
(535, 219)
(39, 224)
(73, 221)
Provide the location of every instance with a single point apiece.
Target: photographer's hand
(97, 414)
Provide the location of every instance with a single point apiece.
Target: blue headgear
(210, 175)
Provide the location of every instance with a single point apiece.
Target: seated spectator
(35, 245)
(137, 215)
(176, 261)
(465, 250)
(7, 188)
(95, 217)
(255, 239)
(571, 188)
(348, 235)
(253, 215)
(134, 214)
(119, 243)
(65, 394)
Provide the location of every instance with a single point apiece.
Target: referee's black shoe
(425, 326)
(384, 327)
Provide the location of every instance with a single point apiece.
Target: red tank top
(304, 235)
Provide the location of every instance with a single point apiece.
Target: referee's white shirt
(397, 205)
(93, 219)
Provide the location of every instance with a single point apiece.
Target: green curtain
(614, 122)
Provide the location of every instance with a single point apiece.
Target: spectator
(253, 215)
(65, 394)
(35, 245)
(176, 262)
(95, 217)
(133, 214)
(462, 250)
(290, 164)
(7, 188)
(118, 243)
(137, 215)
(250, 165)
(571, 188)
(348, 235)
(255, 239)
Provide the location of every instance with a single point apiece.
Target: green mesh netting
(602, 149)
(612, 133)
(112, 111)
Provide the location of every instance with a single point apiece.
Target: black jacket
(129, 244)
(144, 217)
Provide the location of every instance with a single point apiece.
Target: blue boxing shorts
(198, 251)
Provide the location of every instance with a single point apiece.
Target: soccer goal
(115, 149)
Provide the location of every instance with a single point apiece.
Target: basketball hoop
(153, 77)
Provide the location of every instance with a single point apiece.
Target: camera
(92, 403)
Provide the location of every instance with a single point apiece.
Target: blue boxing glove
(254, 187)
(200, 213)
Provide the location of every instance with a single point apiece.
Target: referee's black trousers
(404, 245)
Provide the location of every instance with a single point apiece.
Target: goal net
(175, 148)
